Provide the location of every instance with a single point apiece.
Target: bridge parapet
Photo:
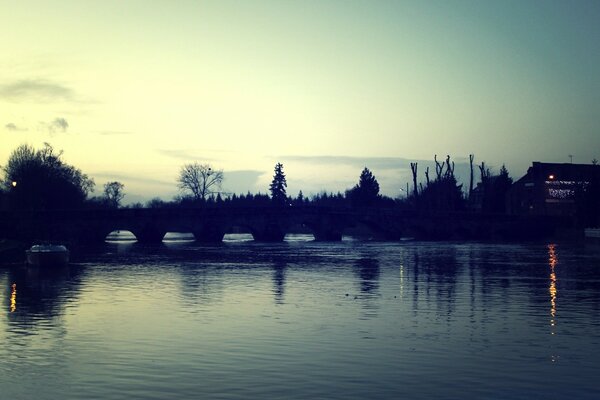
(265, 223)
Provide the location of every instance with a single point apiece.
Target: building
(551, 189)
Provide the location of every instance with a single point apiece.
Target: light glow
(552, 261)
(13, 298)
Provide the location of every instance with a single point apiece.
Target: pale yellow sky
(147, 86)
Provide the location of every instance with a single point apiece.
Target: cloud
(370, 162)
(14, 128)
(37, 91)
(58, 125)
(241, 181)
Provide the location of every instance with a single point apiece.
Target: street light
(14, 183)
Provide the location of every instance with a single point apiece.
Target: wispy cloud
(14, 128)
(59, 124)
(36, 90)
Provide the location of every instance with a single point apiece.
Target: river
(302, 319)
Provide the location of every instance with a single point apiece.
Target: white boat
(47, 255)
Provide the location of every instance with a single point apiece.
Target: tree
(278, 185)
(39, 179)
(495, 188)
(200, 179)
(443, 192)
(366, 192)
(113, 192)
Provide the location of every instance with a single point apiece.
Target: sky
(132, 90)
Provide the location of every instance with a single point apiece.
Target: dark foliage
(443, 193)
(366, 192)
(495, 188)
(40, 180)
(113, 193)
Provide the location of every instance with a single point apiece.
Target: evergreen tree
(278, 185)
(366, 192)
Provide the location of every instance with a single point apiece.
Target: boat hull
(47, 258)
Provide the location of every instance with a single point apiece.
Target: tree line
(40, 179)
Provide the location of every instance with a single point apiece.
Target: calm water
(297, 320)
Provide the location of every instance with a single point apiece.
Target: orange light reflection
(552, 261)
(13, 298)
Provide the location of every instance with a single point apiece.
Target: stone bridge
(269, 224)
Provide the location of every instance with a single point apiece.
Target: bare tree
(471, 159)
(113, 191)
(413, 168)
(200, 179)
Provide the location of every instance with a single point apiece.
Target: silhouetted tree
(200, 179)
(471, 159)
(494, 189)
(278, 186)
(39, 179)
(413, 168)
(113, 192)
(444, 192)
(366, 192)
(156, 202)
(299, 200)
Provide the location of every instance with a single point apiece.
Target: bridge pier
(149, 235)
(327, 235)
(270, 233)
(209, 234)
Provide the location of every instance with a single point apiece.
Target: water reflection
(553, 260)
(279, 281)
(13, 298)
(434, 276)
(38, 295)
(485, 305)
(368, 272)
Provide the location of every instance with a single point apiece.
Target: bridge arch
(120, 235)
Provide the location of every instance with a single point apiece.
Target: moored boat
(47, 255)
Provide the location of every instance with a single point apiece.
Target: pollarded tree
(366, 192)
(278, 186)
(200, 179)
(113, 192)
